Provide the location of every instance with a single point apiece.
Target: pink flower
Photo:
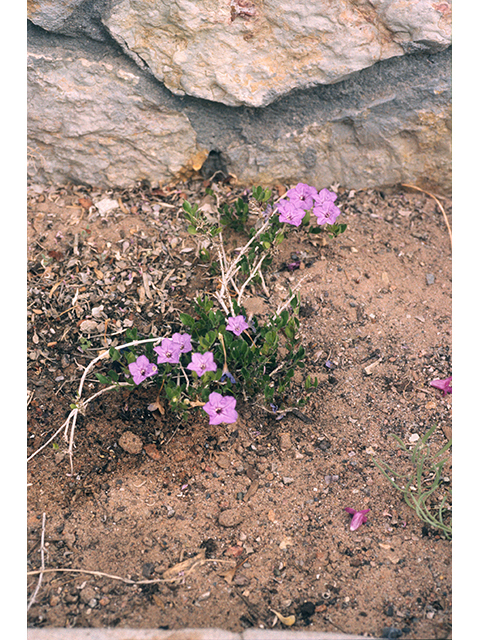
(324, 196)
(359, 517)
(237, 325)
(141, 369)
(290, 213)
(445, 386)
(201, 363)
(184, 341)
(326, 213)
(168, 352)
(221, 409)
(302, 196)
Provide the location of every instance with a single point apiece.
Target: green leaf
(192, 230)
(187, 320)
(114, 354)
(102, 379)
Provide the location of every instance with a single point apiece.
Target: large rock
(93, 119)
(250, 52)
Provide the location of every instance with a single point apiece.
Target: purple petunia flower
(202, 362)
(221, 409)
(141, 369)
(168, 352)
(290, 213)
(184, 340)
(326, 213)
(237, 325)
(359, 517)
(445, 386)
(302, 196)
(324, 196)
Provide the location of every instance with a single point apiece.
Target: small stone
(230, 518)
(54, 600)
(287, 480)
(130, 443)
(430, 278)
(87, 594)
(285, 441)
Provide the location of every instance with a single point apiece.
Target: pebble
(230, 518)
(285, 441)
(87, 595)
(430, 278)
(130, 443)
(287, 480)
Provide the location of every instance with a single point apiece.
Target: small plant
(217, 353)
(219, 350)
(422, 487)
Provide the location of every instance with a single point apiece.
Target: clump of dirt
(168, 524)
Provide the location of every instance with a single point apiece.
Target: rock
(285, 441)
(94, 120)
(387, 124)
(251, 52)
(130, 443)
(430, 278)
(87, 594)
(231, 517)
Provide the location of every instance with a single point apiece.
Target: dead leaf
(288, 621)
(86, 203)
(252, 490)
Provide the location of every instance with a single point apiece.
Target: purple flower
(237, 325)
(184, 341)
(291, 266)
(202, 362)
(226, 375)
(302, 196)
(168, 352)
(359, 517)
(141, 369)
(327, 212)
(290, 213)
(324, 196)
(221, 409)
(445, 386)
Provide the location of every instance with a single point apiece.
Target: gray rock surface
(96, 118)
(251, 52)
(93, 119)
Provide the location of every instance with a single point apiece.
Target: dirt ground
(254, 510)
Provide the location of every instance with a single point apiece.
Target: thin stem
(42, 560)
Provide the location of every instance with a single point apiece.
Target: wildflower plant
(423, 488)
(218, 353)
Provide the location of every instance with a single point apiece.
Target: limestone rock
(250, 52)
(92, 120)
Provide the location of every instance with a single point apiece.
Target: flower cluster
(219, 408)
(303, 198)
